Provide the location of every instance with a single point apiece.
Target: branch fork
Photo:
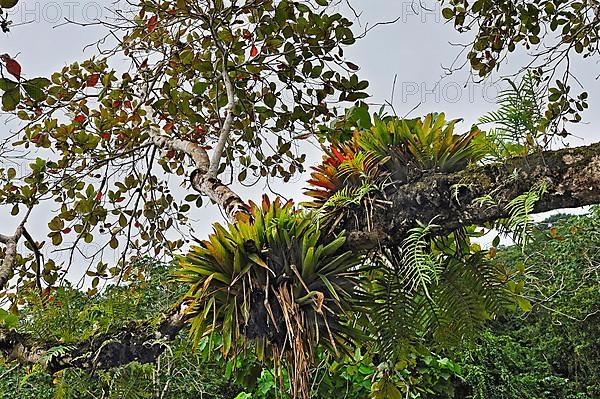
(204, 179)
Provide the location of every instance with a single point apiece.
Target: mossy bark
(571, 175)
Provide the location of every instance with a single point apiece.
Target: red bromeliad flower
(325, 178)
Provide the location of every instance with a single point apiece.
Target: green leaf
(270, 100)
(496, 241)
(8, 319)
(35, 92)
(41, 83)
(56, 224)
(524, 304)
(7, 84)
(448, 13)
(11, 99)
(256, 259)
(56, 238)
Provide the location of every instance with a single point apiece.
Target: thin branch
(38, 257)
(10, 252)
(226, 128)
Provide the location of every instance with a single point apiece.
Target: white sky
(414, 49)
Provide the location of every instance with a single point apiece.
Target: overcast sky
(414, 50)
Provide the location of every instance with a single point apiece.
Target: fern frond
(520, 210)
(518, 119)
(421, 269)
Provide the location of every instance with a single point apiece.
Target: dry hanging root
(294, 352)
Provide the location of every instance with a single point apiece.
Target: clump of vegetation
(68, 315)
(552, 351)
(388, 153)
(548, 351)
(274, 280)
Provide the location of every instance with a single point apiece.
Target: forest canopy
(382, 264)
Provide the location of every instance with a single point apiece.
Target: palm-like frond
(520, 109)
(409, 308)
(420, 268)
(520, 210)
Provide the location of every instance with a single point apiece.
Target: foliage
(390, 152)
(433, 303)
(548, 352)
(552, 351)
(272, 279)
(67, 314)
(520, 210)
(278, 284)
(549, 30)
(87, 132)
(359, 376)
(519, 120)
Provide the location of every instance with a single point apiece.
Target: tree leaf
(11, 99)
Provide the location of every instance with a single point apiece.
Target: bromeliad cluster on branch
(273, 279)
(389, 153)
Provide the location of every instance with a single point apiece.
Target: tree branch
(201, 180)
(226, 128)
(572, 176)
(8, 263)
(10, 252)
(135, 342)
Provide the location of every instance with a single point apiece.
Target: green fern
(56, 351)
(520, 209)
(431, 291)
(131, 382)
(420, 266)
(519, 118)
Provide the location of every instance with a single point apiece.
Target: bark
(571, 175)
(136, 342)
(201, 178)
(10, 256)
(6, 268)
(220, 193)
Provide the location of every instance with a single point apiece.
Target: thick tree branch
(194, 150)
(226, 127)
(10, 255)
(201, 180)
(137, 342)
(10, 252)
(572, 176)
